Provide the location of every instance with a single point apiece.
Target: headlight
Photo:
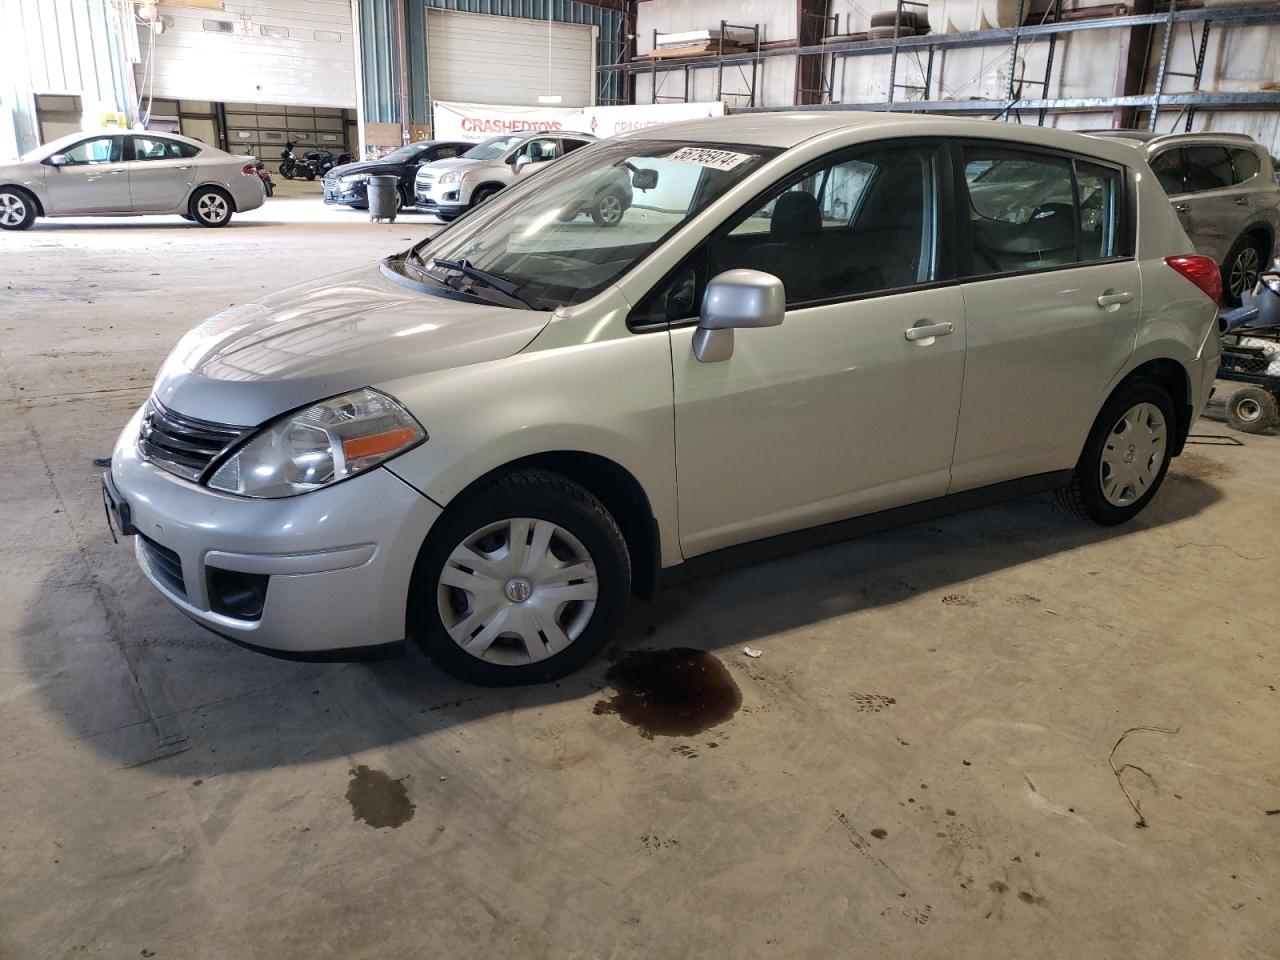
(330, 441)
(449, 177)
(353, 178)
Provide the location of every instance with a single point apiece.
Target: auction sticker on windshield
(706, 157)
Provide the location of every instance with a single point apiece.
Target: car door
(91, 177)
(848, 406)
(1199, 181)
(1052, 304)
(539, 152)
(161, 173)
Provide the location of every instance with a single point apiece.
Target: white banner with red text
(474, 122)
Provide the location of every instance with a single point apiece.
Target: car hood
(365, 166)
(254, 361)
(454, 163)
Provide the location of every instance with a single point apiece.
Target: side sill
(788, 544)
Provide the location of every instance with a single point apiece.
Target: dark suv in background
(1224, 189)
(349, 183)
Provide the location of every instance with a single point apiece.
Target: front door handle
(1242, 201)
(1182, 207)
(1113, 300)
(924, 330)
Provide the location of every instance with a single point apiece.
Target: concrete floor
(919, 767)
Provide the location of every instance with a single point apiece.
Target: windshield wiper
(486, 279)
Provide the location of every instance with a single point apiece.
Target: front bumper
(335, 563)
(355, 194)
(434, 198)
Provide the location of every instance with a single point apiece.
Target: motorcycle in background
(323, 160)
(297, 168)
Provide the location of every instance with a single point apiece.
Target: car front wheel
(210, 208)
(608, 211)
(17, 210)
(1126, 456)
(522, 581)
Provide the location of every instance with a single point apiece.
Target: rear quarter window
(1245, 164)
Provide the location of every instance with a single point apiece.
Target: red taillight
(1201, 271)
(250, 170)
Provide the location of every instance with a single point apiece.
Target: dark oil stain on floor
(670, 693)
(377, 799)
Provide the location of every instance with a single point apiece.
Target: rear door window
(155, 148)
(1034, 211)
(1208, 168)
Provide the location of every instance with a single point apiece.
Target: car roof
(787, 129)
(1147, 138)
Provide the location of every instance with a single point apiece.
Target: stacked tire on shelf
(884, 26)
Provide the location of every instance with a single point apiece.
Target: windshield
(494, 147)
(403, 154)
(585, 221)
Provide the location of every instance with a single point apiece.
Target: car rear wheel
(210, 207)
(1125, 457)
(17, 209)
(1252, 410)
(1246, 260)
(608, 211)
(522, 581)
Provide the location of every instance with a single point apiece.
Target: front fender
(611, 398)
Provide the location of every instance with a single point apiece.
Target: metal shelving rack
(1013, 104)
(685, 65)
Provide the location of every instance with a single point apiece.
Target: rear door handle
(1109, 300)
(924, 330)
(1182, 207)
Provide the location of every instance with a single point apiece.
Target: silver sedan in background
(128, 173)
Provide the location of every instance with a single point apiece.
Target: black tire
(1248, 257)
(17, 208)
(1252, 410)
(447, 217)
(210, 207)
(286, 171)
(187, 216)
(1084, 495)
(887, 33)
(609, 209)
(540, 495)
(309, 173)
(908, 25)
(482, 195)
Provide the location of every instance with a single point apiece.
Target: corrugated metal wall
(71, 47)
(380, 65)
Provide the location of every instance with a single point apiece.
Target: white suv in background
(448, 188)
(830, 322)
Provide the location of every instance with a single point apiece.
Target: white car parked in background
(128, 173)
(819, 318)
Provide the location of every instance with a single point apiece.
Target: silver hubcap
(517, 591)
(611, 209)
(1133, 455)
(212, 208)
(1244, 271)
(13, 210)
(1248, 410)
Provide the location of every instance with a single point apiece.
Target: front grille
(183, 445)
(165, 565)
(425, 179)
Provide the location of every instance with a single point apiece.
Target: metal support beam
(811, 21)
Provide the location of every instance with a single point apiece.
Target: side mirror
(57, 160)
(644, 179)
(736, 298)
(522, 161)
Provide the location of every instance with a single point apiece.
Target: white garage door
(285, 52)
(478, 59)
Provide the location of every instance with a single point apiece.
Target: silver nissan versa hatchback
(802, 322)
